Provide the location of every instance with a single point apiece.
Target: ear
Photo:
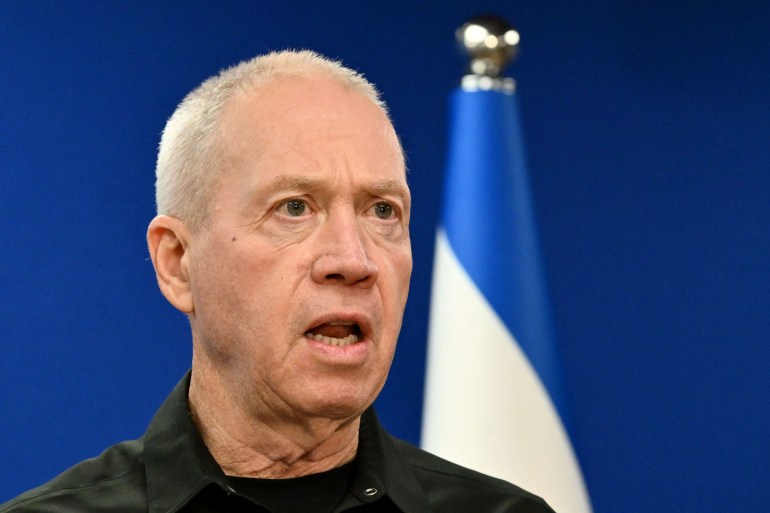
(168, 239)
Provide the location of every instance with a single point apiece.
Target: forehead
(307, 115)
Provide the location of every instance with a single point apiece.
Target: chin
(339, 406)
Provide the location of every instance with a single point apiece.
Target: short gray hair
(190, 150)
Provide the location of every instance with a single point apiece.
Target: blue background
(647, 128)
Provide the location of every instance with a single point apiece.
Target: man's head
(284, 234)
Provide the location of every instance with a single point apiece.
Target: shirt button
(370, 491)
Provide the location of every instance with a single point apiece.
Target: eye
(294, 208)
(383, 210)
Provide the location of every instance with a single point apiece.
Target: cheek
(402, 270)
(396, 289)
(224, 285)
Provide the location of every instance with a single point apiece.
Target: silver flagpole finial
(490, 44)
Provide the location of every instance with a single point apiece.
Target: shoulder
(448, 484)
(113, 481)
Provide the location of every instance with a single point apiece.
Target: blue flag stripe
(488, 218)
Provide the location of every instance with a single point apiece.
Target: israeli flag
(494, 399)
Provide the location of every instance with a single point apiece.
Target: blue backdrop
(648, 138)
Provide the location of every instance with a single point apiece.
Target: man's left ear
(167, 239)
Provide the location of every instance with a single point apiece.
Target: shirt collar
(177, 461)
(379, 465)
(179, 465)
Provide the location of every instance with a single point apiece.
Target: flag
(494, 399)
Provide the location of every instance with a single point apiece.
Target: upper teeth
(333, 341)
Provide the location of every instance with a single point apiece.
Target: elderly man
(283, 234)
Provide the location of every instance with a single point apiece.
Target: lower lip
(351, 354)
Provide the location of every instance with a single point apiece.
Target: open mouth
(338, 334)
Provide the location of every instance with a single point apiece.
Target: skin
(308, 228)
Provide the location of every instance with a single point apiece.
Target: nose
(342, 253)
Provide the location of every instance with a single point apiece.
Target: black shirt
(170, 470)
(319, 493)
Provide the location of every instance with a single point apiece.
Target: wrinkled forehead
(296, 107)
(306, 129)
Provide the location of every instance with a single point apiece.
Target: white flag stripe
(485, 406)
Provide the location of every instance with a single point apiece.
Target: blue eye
(295, 207)
(383, 210)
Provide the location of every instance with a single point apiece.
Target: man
(283, 234)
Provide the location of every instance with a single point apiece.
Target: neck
(253, 441)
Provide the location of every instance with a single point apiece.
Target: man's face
(301, 275)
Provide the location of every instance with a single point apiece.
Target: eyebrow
(289, 182)
(393, 187)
